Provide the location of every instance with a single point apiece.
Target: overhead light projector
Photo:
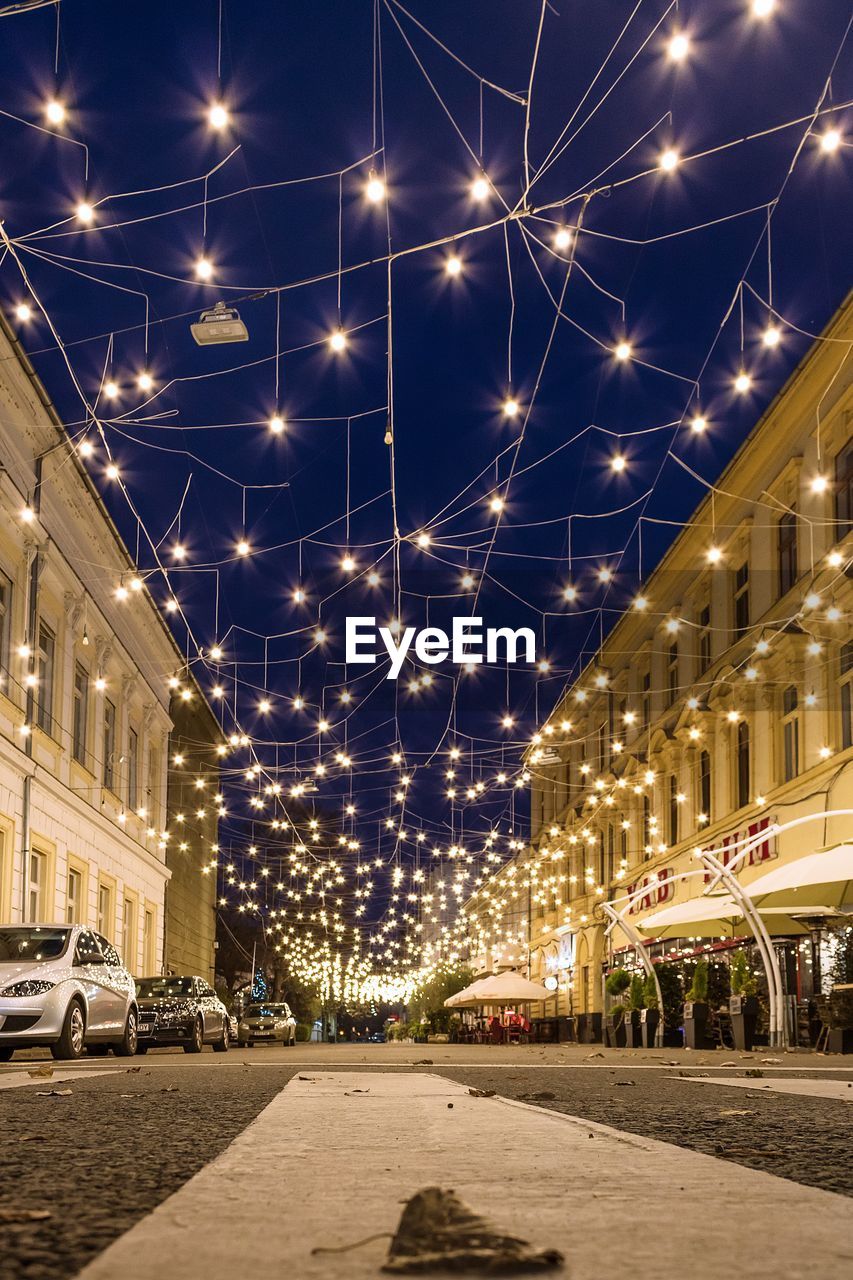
(219, 324)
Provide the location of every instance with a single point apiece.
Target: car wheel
(126, 1047)
(6, 1053)
(224, 1044)
(196, 1044)
(241, 1044)
(142, 1049)
(71, 1041)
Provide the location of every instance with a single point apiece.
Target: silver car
(266, 1023)
(64, 986)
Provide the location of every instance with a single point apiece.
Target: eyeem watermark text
(468, 642)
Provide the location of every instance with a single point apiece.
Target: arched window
(790, 733)
(742, 768)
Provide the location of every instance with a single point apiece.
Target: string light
(622, 351)
(338, 340)
(144, 381)
(763, 8)
(218, 116)
(743, 382)
(480, 189)
(772, 336)
(84, 212)
(698, 424)
(618, 462)
(510, 408)
(669, 160)
(23, 312)
(204, 269)
(830, 141)
(276, 424)
(678, 47)
(453, 265)
(55, 112)
(375, 189)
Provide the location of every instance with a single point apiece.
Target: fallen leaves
(542, 1096)
(733, 1111)
(349, 1092)
(623, 1083)
(53, 1093)
(44, 1072)
(482, 1093)
(13, 1214)
(754, 1073)
(423, 1062)
(170, 1088)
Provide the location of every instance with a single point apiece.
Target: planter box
(743, 1011)
(589, 1028)
(566, 1030)
(840, 1040)
(634, 1028)
(695, 1026)
(615, 1030)
(649, 1021)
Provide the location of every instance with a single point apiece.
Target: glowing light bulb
(772, 336)
(84, 211)
(299, 596)
(243, 547)
(217, 116)
(423, 539)
(497, 504)
(763, 8)
(641, 603)
(570, 593)
(144, 381)
(338, 340)
(678, 47)
(819, 484)
(276, 424)
(562, 238)
(480, 189)
(713, 555)
(347, 564)
(23, 312)
(55, 111)
(27, 515)
(743, 382)
(86, 448)
(264, 705)
(669, 160)
(203, 269)
(216, 653)
(622, 351)
(830, 141)
(510, 408)
(112, 471)
(375, 189)
(179, 551)
(605, 575)
(110, 389)
(617, 462)
(834, 559)
(698, 424)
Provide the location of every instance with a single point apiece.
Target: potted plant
(636, 1004)
(616, 984)
(743, 1002)
(696, 1009)
(650, 1013)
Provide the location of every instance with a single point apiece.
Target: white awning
(504, 988)
(719, 916)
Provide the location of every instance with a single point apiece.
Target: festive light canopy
(514, 288)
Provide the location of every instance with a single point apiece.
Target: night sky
(677, 264)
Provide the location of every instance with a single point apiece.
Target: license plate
(264, 1035)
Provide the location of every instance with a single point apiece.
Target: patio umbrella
(466, 998)
(507, 988)
(717, 916)
(825, 876)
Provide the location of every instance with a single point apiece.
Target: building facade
(84, 698)
(721, 702)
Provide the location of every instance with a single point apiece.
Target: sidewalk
(331, 1159)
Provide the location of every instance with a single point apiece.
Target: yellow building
(721, 702)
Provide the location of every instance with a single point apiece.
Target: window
(846, 684)
(5, 622)
(153, 782)
(111, 956)
(133, 769)
(742, 770)
(149, 941)
(109, 745)
(44, 672)
(81, 712)
(704, 627)
(790, 733)
(647, 824)
(128, 934)
(673, 809)
(37, 888)
(672, 672)
(74, 896)
(741, 599)
(705, 784)
(844, 490)
(106, 911)
(787, 552)
(647, 699)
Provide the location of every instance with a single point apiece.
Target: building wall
(191, 854)
(690, 677)
(83, 828)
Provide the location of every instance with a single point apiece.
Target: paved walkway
(330, 1159)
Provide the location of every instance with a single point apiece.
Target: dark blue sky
(308, 96)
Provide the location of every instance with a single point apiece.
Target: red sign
(659, 888)
(728, 851)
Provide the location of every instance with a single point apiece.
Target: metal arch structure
(634, 936)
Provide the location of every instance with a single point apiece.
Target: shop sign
(659, 888)
(728, 849)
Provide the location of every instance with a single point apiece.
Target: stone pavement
(330, 1159)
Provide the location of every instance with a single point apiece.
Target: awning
(825, 876)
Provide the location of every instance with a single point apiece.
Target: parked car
(181, 1010)
(65, 987)
(377, 1037)
(269, 1023)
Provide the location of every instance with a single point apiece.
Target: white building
(84, 698)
